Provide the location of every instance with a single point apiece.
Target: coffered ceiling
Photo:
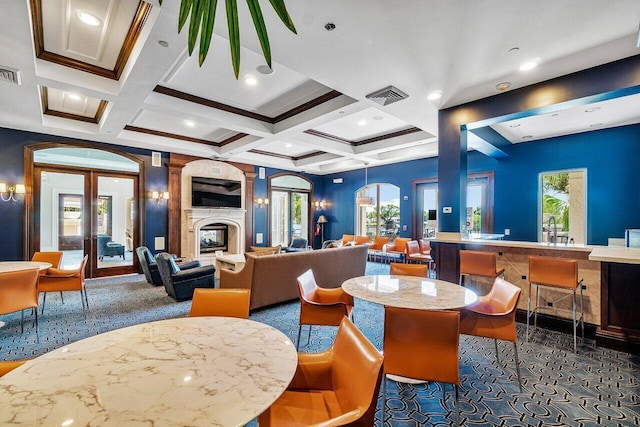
(117, 71)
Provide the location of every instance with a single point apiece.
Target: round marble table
(200, 371)
(410, 292)
(8, 266)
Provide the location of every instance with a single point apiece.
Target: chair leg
(535, 309)
(84, 290)
(84, 313)
(44, 300)
(495, 342)
(62, 297)
(582, 312)
(575, 325)
(528, 314)
(515, 352)
(299, 333)
(22, 321)
(455, 387)
(384, 399)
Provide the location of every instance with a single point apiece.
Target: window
(290, 208)
(562, 207)
(378, 211)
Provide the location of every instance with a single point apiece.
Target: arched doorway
(85, 201)
(290, 213)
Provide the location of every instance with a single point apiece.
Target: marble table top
(200, 371)
(8, 266)
(410, 292)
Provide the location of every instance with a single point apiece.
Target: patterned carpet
(596, 387)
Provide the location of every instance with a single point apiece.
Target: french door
(85, 212)
(289, 216)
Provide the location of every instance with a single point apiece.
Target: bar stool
(558, 274)
(478, 263)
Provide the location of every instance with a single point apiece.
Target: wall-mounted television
(215, 193)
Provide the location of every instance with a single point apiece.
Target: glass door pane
(279, 205)
(63, 215)
(300, 215)
(115, 218)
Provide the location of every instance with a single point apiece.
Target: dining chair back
(422, 345)
(362, 240)
(62, 280)
(347, 238)
(321, 306)
(400, 269)
(18, 292)
(478, 263)
(220, 302)
(52, 257)
(337, 387)
(494, 316)
(559, 274)
(7, 366)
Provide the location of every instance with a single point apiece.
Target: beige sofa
(272, 278)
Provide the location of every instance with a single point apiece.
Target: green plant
(203, 14)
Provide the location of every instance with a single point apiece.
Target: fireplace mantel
(196, 218)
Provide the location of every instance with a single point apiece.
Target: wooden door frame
(31, 224)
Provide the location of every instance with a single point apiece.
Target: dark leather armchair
(106, 247)
(180, 284)
(297, 245)
(150, 268)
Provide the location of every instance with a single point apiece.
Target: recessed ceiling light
(163, 43)
(591, 109)
(503, 86)
(527, 137)
(73, 96)
(189, 123)
(530, 65)
(514, 49)
(434, 95)
(514, 125)
(250, 80)
(596, 125)
(88, 18)
(378, 118)
(362, 122)
(555, 114)
(264, 69)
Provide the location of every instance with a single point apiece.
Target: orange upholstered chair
(414, 253)
(347, 238)
(494, 316)
(9, 365)
(560, 274)
(423, 345)
(425, 249)
(478, 263)
(18, 292)
(321, 306)
(418, 270)
(65, 280)
(220, 302)
(54, 258)
(375, 248)
(338, 387)
(397, 248)
(361, 240)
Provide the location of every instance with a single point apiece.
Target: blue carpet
(596, 387)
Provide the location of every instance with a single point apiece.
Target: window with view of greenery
(563, 206)
(382, 216)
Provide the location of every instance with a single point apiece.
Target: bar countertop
(493, 241)
(617, 254)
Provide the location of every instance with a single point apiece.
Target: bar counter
(611, 276)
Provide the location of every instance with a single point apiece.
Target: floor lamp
(322, 220)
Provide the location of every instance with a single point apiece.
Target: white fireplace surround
(196, 218)
(193, 219)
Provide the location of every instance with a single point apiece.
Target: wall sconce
(261, 202)
(320, 204)
(12, 190)
(159, 196)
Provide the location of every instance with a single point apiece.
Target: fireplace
(214, 237)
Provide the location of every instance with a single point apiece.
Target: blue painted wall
(613, 173)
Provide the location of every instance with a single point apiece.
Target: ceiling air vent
(387, 96)
(10, 75)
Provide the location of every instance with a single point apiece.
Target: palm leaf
(281, 10)
(206, 34)
(234, 34)
(196, 22)
(185, 8)
(261, 30)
